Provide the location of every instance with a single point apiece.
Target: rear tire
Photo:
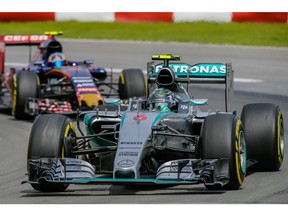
(25, 85)
(131, 84)
(264, 130)
(222, 136)
(47, 140)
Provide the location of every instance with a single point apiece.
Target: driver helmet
(162, 100)
(57, 59)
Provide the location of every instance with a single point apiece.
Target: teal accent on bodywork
(124, 180)
(160, 116)
(199, 102)
(197, 70)
(96, 141)
(122, 119)
(87, 119)
(164, 108)
(112, 101)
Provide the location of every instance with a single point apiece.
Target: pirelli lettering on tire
(14, 94)
(280, 138)
(240, 153)
(121, 77)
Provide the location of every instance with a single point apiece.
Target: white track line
(245, 80)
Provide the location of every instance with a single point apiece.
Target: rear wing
(211, 73)
(20, 40)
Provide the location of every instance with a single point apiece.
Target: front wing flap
(57, 169)
(76, 171)
(209, 172)
(36, 106)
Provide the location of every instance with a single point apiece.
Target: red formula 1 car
(53, 84)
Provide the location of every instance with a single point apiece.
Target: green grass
(259, 34)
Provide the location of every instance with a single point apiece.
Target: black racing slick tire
(264, 130)
(222, 136)
(47, 140)
(131, 84)
(25, 85)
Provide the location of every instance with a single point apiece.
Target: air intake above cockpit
(165, 77)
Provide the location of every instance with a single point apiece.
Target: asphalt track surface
(261, 76)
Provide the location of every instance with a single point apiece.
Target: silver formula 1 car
(163, 138)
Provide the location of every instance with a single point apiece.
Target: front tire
(47, 140)
(264, 129)
(222, 136)
(25, 85)
(131, 84)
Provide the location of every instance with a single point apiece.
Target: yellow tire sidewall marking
(146, 87)
(38, 81)
(122, 78)
(279, 139)
(14, 94)
(68, 127)
(238, 169)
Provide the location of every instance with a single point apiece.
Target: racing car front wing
(76, 171)
(36, 106)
